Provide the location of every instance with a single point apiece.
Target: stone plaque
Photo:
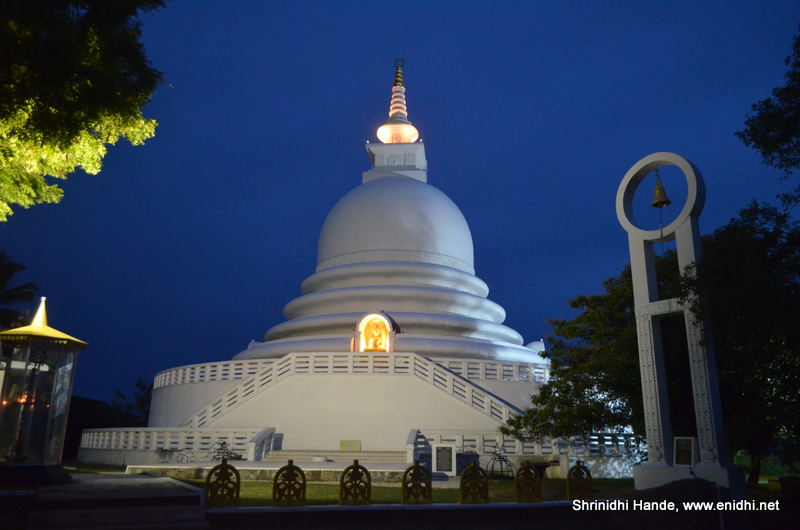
(444, 459)
(350, 445)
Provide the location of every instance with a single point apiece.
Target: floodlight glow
(397, 129)
(397, 133)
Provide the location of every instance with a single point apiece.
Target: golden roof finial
(40, 319)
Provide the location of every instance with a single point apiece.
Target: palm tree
(11, 295)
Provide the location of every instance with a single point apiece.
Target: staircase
(406, 364)
(345, 457)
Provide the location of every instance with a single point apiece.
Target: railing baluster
(407, 364)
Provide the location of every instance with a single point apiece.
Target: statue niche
(374, 333)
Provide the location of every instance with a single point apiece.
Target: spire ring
(399, 63)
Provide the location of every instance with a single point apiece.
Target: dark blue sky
(185, 249)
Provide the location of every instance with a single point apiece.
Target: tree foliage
(750, 281)
(123, 411)
(749, 278)
(774, 129)
(12, 295)
(594, 365)
(73, 79)
(137, 406)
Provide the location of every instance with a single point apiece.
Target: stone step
(345, 457)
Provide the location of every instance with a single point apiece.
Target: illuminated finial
(397, 128)
(40, 331)
(40, 319)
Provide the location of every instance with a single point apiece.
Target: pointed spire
(398, 72)
(40, 319)
(40, 331)
(397, 128)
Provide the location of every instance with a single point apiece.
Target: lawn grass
(73, 466)
(259, 493)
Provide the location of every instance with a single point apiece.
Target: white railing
(260, 445)
(407, 364)
(497, 371)
(156, 438)
(490, 442)
(201, 373)
(240, 370)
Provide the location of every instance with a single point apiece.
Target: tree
(86, 413)
(12, 295)
(73, 78)
(123, 411)
(136, 406)
(750, 280)
(774, 129)
(594, 365)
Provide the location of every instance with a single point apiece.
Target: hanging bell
(660, 198)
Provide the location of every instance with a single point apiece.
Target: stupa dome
(395, 219)
(397, 245)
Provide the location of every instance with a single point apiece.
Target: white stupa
(398, 245)
(393, 332)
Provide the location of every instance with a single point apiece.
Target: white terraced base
(365, 364)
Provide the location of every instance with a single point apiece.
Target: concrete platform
(150, 502)
(509, 516)
(117, 501)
